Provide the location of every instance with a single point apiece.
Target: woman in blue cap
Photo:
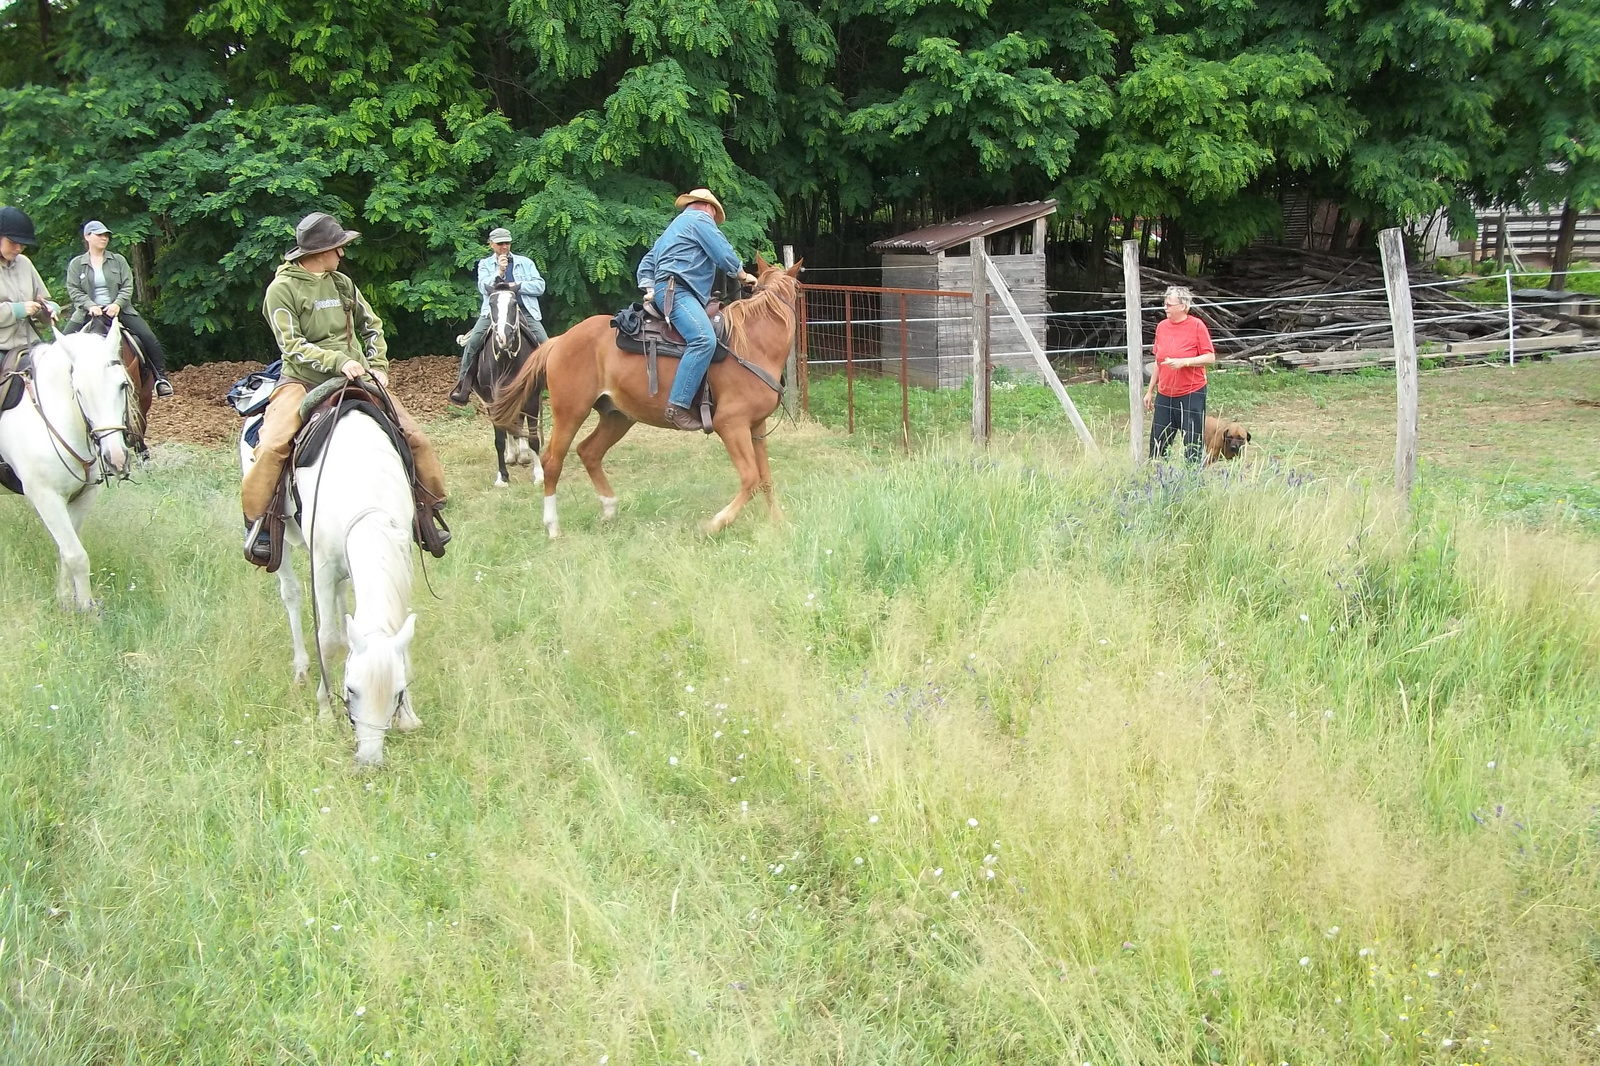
(100, 284)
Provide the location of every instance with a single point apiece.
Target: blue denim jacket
(691, 249)
(523, 272)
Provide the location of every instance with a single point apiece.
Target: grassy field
(1519, 442)
(1004, 757)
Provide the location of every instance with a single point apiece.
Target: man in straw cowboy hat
(500, 267)
(324, 328)
(676, 275)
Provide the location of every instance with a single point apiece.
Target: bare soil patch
(199, 413)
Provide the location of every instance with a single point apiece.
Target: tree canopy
(200, 132)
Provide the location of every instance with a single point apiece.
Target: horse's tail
(512, 396)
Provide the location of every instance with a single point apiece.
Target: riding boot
(681, 419)
(163, 386)
(461, 395)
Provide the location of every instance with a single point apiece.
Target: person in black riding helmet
(25, 304)
(100, 285)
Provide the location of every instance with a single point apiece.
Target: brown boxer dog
(1224, 440)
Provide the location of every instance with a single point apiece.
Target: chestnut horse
(584, 370)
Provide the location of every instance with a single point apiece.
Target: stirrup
(163, 388)
(258, 547)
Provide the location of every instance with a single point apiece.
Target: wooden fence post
(791, 367)
(1135, 324)
(1046, 371)
(1398, 283)
(980, 363)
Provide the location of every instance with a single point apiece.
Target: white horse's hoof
(407, 721)
(608, 508)
(500, 482)
(301, 675)
(554, 531)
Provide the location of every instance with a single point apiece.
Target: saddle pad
(313, 434)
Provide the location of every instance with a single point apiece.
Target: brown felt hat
(318, 232)
(703, 196)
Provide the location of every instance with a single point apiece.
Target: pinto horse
(584, 370)
(504, 352)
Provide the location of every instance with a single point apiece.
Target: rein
(86, 463)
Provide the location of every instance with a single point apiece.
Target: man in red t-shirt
(1177, 394)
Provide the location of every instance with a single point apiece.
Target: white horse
(357, 514)
(65, 436)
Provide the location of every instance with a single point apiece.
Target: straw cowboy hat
(318, 232)
(702, 196)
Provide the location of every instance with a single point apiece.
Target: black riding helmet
(17, 225)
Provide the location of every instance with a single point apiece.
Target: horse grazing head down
(376, 674)
(104, 393)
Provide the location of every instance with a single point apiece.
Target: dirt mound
(199, 414)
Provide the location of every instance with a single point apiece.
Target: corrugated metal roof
(932, 239)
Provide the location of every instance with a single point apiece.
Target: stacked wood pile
(1334, 332)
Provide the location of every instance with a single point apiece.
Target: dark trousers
(1179, 413)
(135, 325)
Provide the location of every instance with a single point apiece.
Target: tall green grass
(977, 758)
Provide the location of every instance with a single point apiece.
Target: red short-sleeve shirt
(1180, 340)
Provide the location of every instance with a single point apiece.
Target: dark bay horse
(503, 354)
(584, 370)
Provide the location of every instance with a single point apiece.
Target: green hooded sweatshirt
(321, 322)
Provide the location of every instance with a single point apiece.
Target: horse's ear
(762, 266)
(358, 643)
(794, 271)
(407, 630)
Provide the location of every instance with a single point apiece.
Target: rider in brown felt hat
(324, 327)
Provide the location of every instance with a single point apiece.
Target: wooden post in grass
(1046, 371)
(1398, 282)
(980, 362)
(1135, 323)
(791, 367)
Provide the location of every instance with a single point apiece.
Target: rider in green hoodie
(324, 328)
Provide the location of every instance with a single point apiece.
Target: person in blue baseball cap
(100, 285)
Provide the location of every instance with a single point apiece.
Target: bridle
(86, 463)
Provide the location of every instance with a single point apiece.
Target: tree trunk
(1564, 239)
(44, 23)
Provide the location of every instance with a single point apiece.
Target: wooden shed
(938, 330)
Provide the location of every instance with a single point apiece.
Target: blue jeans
(700, 344)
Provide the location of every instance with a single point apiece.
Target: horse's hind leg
(289, 591)
(614, 425)
(502, 479)
(528, 446)
(564, 425)
(764, 473)
(742, 450)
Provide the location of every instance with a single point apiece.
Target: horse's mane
(772, 302)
